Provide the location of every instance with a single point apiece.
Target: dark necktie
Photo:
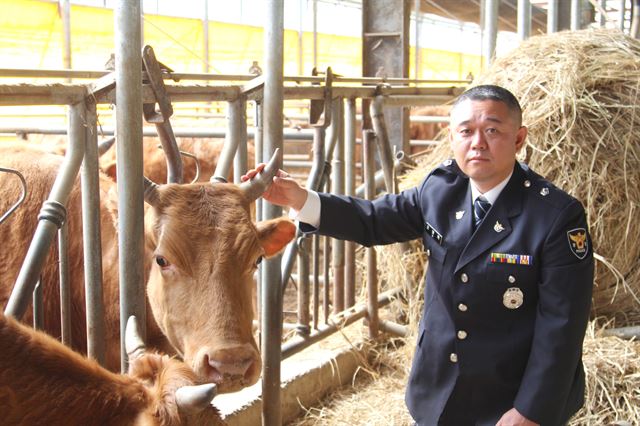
(480, 208)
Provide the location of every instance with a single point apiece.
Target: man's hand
(514, 418)
(283, 191)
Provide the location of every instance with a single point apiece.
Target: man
(510, 272)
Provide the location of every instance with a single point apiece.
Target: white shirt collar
(492, 194)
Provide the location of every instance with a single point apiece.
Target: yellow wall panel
(31, 37)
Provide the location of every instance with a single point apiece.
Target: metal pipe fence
(326, 279)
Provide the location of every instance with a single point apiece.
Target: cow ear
(274, 234)
(110, 170)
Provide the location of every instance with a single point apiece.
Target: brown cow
(428, 131)
(200, 253)
(44, 382)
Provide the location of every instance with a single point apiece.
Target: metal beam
(271, 312)
(524, 19)
(490, 26)
(385, 53)
(128, 44)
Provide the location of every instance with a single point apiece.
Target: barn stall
(269, 95)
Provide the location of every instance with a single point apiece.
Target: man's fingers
(252, 173)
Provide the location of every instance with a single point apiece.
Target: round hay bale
(580, 93)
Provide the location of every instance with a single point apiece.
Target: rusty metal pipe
(372, 271)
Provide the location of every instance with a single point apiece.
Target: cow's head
(173, 394)
(205, 251)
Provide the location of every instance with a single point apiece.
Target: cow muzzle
(231, 368)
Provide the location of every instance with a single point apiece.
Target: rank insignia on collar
(429, 229)
(578, 242)
(514, 259)
(498, 227)
(459, 214)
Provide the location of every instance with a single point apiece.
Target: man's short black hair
(491, 92)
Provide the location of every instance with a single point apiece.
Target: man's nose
(478, 141)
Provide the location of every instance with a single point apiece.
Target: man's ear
(521, 137)
(274, 234)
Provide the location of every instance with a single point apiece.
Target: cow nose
(238, 363)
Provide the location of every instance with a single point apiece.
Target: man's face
(485, 137)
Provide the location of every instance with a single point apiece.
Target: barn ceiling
(469, 11)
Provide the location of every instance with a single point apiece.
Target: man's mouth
(477, 158)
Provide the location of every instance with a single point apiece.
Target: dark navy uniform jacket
(505, 307)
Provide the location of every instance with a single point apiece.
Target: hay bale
(580, 93)
(612, 369)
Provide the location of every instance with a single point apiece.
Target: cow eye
(162, 261)
(259, 261)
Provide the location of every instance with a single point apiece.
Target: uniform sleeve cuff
(310, 211)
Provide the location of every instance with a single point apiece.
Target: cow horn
(194, 399)
(105, 145)
(150, 191)
(133, 343)
(256, 186)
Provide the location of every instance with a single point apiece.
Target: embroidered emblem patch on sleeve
(578, 242)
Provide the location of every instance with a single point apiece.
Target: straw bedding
(612, 367)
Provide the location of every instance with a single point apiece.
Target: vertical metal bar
(552, 16)
(316, 173)
(350, 189)
(483, 9)
(316, 279)
(417, 43)
(66, 34)
(382, 140)
(634, 30)
(315, 34)
(313, 181)
(271, 280)
(576, 15)
(490, 30)
(300, 37)
(257, 144)
(65, 290)
(623, 5)
(92, 241)
(128, 46)
(372, 272)
(303, 286)
(38, 313)
(388, 55)
(240, 161)
(524, 19)
(236, 134)
(337, 170)
(52, 215)
(326, 253)
(603, 16)
(205, 37)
